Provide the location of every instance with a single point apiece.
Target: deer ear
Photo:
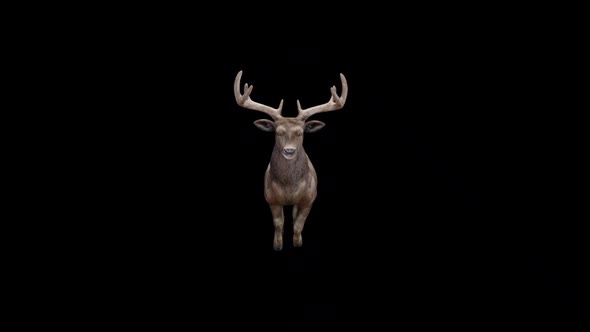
(265, 125)
(313, 126)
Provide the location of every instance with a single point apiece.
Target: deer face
(289, 133)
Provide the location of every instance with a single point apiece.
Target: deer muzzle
(289, 152)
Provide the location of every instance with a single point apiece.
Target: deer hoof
(297, 240)
(277, 244)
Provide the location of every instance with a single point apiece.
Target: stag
(290, 178)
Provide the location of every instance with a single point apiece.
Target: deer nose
(289, 150)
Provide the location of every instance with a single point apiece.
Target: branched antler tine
(245, 101)
(335, 103)
(334, 94)
(344, 88)
(280, 109)
(247, 92)
(237, 92)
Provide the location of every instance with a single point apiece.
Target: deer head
(289, 130)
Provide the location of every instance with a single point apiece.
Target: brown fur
(290, 182)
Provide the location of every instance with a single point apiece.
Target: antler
(245, 101)
(335, 102)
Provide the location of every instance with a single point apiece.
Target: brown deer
(290, 177)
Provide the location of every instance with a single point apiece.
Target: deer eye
(280, 132)
(299, 133)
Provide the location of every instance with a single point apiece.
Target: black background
(444, 192)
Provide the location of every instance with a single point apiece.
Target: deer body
(290, 182)
(290, 178)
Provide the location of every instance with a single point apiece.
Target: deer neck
(288, 171)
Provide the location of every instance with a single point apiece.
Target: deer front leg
(278, 219)
(299, 218)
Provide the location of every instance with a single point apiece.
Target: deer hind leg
(299, 216)
(278, 219)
